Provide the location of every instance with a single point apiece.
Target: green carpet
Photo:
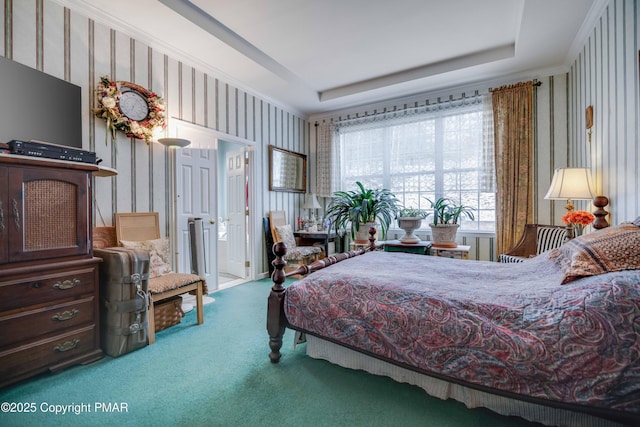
(219, 374)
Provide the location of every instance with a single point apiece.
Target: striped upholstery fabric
(536, 239)
(509, 258)
(550, 238)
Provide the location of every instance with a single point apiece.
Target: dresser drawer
(38, 356)
(46, 288)
(27, 325)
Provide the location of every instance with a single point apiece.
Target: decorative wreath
(109, 93)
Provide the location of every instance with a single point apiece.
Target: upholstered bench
(170, 285)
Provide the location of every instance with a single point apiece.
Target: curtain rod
(534, 82)
(405, 108)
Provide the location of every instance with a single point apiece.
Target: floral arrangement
(109, 94)
(579, 219)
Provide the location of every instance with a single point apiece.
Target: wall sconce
(174, 142)
(589, 120)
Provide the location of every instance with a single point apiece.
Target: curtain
(328, 160)
(513, 138)
(488, 171)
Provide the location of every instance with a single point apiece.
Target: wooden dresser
(49, 304)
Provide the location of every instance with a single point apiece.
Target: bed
(554, 339)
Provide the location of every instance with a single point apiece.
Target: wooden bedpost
(372, 238)
(276, 321)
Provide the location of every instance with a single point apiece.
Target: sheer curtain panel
(423, 153)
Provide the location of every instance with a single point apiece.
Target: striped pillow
(550, 238)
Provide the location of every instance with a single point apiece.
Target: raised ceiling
(317, 56)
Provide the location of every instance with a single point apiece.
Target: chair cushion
(285, 234)
(548, 238)
(171, 281)
(159, 263)
(606, 250)
(300, 252)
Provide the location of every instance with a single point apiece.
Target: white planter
(444, 235)
(409, 225)
(362, 235)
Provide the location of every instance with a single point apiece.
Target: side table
(459, 252)
(420, 248)
(308, 238)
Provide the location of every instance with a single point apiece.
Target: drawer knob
(65, 315)
(67, 284)
(67, 345)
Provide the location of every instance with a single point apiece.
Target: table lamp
(571, 184)
(311, 203)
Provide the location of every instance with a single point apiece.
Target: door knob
(212, 221)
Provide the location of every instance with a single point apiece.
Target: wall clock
(129, 108)
(133, 104)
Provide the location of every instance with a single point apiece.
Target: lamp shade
(571, 184)
(311, 202)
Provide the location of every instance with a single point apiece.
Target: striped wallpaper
(45, 35)
(52, 38)
(605, 75)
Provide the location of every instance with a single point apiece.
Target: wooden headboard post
(276, 320)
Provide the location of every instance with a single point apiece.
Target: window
(422, 157)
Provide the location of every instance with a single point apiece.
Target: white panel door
(196, 197)
(237, 212)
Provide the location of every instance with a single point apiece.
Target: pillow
(159, 263)
(609, 249)
(285, 235)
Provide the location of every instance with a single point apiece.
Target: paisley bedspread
(510, 327)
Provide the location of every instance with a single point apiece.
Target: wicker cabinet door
(50, 211)
(4, 215)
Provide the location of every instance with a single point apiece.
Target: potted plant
(409, 220)
(446, 214)
(361, 209)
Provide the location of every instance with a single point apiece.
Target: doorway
(212, 182)
(233, 211)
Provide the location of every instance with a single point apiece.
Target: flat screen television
(37, 106)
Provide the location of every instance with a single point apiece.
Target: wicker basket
(168, 313)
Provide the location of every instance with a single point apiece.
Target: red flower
(578, 217)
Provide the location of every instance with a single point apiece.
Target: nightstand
(308, 238)
(459, 252)
(420, 248)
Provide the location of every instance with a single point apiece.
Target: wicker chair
(535, 240)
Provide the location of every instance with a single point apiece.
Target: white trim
(595, 12)
(100, 16)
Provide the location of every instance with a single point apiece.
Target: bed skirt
(321, 349)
